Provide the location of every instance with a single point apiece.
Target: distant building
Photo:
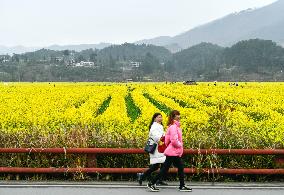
(58, 59)
(129, 80)
(85, 64)
(130, 65)
(71, 62)
(147, 79)
(126, 68)
(4, 58)
(134, 64)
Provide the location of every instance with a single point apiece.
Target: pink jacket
(173, 140)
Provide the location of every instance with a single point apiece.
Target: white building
(4, 58)
(85, 64)
(134, 64)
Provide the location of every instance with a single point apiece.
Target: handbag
(150, 146)
(162, 145)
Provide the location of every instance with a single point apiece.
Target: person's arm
(174, 136)
(154, 133)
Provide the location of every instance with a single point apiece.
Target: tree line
(248, 60)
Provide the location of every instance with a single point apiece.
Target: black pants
(152, 168)
(177, 162)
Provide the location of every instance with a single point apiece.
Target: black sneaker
(162, 183)
(153, 187)
(185, 189)
(139, 178)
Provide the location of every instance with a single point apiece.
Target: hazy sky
(47, 22)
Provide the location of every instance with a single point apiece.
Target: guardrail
(91, 152)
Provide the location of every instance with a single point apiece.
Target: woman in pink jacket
(173, 153)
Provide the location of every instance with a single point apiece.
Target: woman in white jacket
(156, 159)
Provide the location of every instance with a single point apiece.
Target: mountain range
(264, 23)
(21, 49)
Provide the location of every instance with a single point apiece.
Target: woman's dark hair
(153, 119)
(172, 116)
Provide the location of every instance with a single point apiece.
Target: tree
(80, 58)
(255, 56)
(66, 52)
(150, 64)
(93, 57)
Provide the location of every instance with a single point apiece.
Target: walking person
(173, 153)
(156, 131)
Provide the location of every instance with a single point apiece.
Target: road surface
(128, 188)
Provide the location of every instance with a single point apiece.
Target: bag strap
(151, 139)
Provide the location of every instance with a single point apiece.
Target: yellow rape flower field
(250, 115)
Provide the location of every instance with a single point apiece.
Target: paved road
(129, 188)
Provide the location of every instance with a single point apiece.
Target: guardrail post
(279, 161)
(91, 160)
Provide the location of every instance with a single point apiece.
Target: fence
(92, 161)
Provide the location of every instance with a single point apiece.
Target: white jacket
(156, 132)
